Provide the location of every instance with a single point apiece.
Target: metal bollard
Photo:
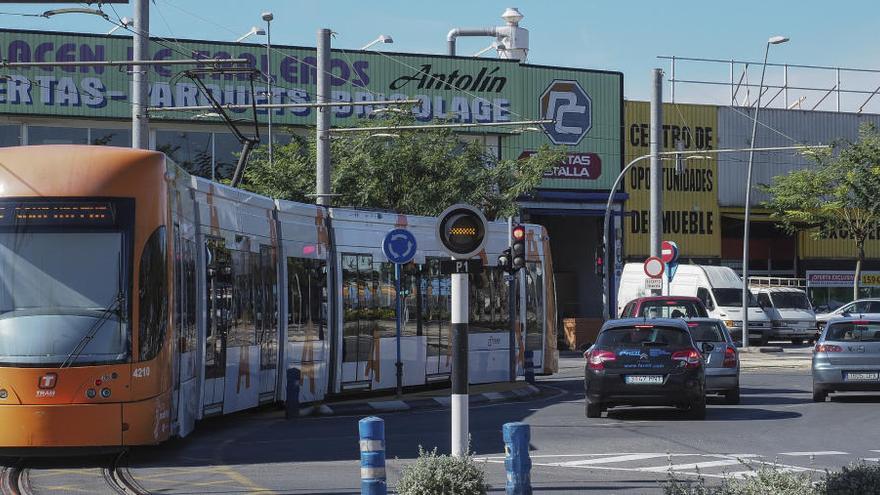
(372, 433)
(517, 462)
(529, 366)
(291, 405)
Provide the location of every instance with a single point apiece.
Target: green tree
(416, 172)
(841, 193)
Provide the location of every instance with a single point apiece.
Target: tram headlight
(3, 393)
(90, 393)
(105, 393)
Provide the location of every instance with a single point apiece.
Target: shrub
(768, 480)
(858, 479)
(437, 474)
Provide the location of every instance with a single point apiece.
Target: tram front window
(62, 296)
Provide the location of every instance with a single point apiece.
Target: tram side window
(306, 299)
(267, 316)
(435, 293)
(488, 301)
(153, 295)
(243, 331)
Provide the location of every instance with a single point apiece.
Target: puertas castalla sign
(574, 166)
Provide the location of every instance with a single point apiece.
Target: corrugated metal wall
(775, 128)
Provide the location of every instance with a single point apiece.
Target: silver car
(859, 306)
(719, 352)
(847, 356)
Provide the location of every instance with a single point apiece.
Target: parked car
(718, 287)
(719, 352)
(859, 306)
(664, 307)
(791, 314)
(645, 362)
(847, 357)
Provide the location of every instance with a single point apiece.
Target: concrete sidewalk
(428, 399)
(786, 356)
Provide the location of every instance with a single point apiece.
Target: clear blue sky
(616, 35)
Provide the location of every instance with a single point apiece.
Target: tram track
(15, 478)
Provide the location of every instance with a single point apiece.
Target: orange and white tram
(136, 299)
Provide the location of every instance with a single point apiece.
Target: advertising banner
(690, 200)
(585, 105)
(832, 278)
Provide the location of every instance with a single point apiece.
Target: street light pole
(775, 40)
(656, 214)
(267, 16)
(323, 124)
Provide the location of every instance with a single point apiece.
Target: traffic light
(600, 260)
(518, 250)
(504, 261)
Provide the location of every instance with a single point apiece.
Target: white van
(790, 312)
(718, 287)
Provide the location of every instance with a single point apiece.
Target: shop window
(110, 137)
(57, 135)
(10, 135)
(153, 302)
(191, 150)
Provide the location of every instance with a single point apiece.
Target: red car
(665, 307)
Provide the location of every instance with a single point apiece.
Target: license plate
(858, 377)
(644, 379)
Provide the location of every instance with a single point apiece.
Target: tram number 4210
(141, 372)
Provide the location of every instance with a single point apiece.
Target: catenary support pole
(140, 124)
(269, 97)
(459, 364)
(323, 96)
(656, 214)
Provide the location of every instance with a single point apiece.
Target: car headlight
(730, 323)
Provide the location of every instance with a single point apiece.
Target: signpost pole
(459, 364)
(399, 363)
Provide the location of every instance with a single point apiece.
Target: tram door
(359, 336)
(186, 382)
(219, 289)
(435, 292)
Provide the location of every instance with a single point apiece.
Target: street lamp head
(75, 10)
(258, 31)
(254, 30)
(384, 38)
(777, 40)
(267, 16)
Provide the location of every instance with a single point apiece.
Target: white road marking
(608, 460)
(694, 465)
(807, 454)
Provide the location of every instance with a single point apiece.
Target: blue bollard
(372, 433)
(517, 462)
(291, 405)
(529, 366)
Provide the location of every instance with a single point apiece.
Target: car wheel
(797, 341)
(819, 395)
(732, 396)
(698, 409)
(594, 410)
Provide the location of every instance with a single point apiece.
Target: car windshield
(854, 331)
(671, 309)
(56, 289)
(706, 331)
(733, 297)
(643, 335)
(790, 300)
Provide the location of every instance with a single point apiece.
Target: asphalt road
(630, 451)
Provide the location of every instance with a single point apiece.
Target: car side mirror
(707, 347)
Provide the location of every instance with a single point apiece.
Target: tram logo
(571, 110)
(48, 381)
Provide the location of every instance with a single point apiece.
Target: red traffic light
(518, 233)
